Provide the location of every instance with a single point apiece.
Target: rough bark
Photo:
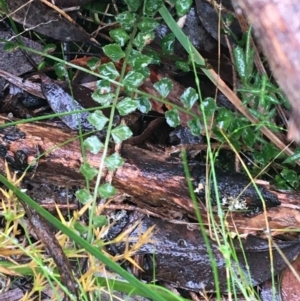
(145, 175)
(155, 181)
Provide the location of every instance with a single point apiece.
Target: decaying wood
(155, 181)
(276, 24)
(61, 163)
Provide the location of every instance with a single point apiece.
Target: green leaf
(249, 136)
(142, 39)
(224, 118)
(93, 63)
(98, 120)
(271, 99)
(138, 61)
(144, 105)
(103, 86)
(167, 43)
(41, 65)
(154, 55)
(182, 65)
(82, 229)
(99, 221)
(195, 126)
(266, 118)
(218, 135)
(172, 118)
(103, 99)
(267, 153)
(290, 176)
(114, 161)
(83, 196)
(294, 158)
(152, 6)
(60, 70)
(228, 20)
(109, 71)
(183, 7)
(189, 97)
(132, 80)
(126, 106)
(106, 191)
(209, 106)
(93, 144)
(133, 5)
(127, 20)
(10, 46)
(280, 183)
(114, 52)
(238, 125)
(88, 171)
(147, 24)
(249, 54)
(120, 36)
(163, 87)
(240, 61)
(49, 48)
(121, 133)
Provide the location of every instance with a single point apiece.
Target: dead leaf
(15, 62)
(34, 15)
(60, 102)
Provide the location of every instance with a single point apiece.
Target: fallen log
(55, 153)
(155, 181)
